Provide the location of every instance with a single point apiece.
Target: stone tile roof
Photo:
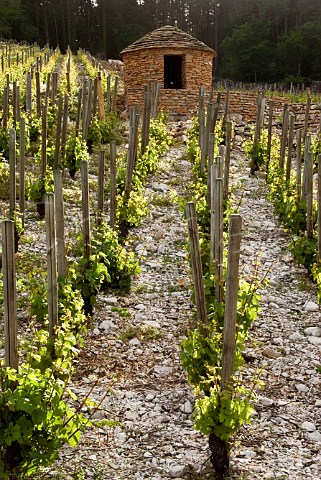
(167, 36)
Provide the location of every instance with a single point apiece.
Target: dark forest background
(256, 40)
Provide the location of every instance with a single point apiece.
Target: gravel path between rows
(130, 362)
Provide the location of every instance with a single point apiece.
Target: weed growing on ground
(144, 333)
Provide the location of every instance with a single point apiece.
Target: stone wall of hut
(143, 65)
(242, 106)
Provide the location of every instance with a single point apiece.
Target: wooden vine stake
(214, 175)
(85, 208)
(58, 133)
(48, 88)
(209, 168)
(216, 109)
(38, 97)
(307, 147)
(22, 155)
(100, 191)
(18, 104)
(60, 225)
(228, 141)
(269, 138)
(87, 110)
(51, 263)
(156, 94)
(257, 133)
(14, 102)
(64, 128)
(290, 147)
(12, 169)
(201, 123)
(113, 103)
(132, 152)
(298, 163)
(218, 238)
(44, 141)
(108, 100)
(79, 109)
(207, 132)
(9, 294)
(226, 108)
(101, 102)
(28, 94)
(113, 191)
(197, 271)
(319, 208)
(146, 118)
(229, 335)
(5, 107)
(284, 135)
(309, 193)
(95, 96)
(307, 116)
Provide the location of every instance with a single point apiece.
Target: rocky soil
(130, 363)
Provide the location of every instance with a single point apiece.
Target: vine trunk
(219, 456)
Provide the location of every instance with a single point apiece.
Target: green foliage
(199, 187)
(144, 333)
(316, 275)
(52, 114)
(33, 128)
(4, 142)
(38, 296)
(109, 265)
(297, 52)
(218, 412)
(248, 53)
(121, 264)
(50, 155)
(223, 413)
(292, 211)
(316, 145)
(76, 151)
(69, 301)
(248, 304)
(132, 210)
(88, 276)
(290, 208)
(4, 180)
(36, 416)
(193, 150)
(304, 250)
(1, 288)
(35, 420)
(257, 154)
(104, 131)
(37, 187)
(198, 354)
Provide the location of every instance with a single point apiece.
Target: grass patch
(162, 200)
(122, 312)
(144, 333)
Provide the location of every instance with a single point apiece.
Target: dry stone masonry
(179, 62)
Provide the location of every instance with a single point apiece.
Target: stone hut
(175, 59)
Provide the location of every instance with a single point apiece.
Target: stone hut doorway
(179, 62)
(173, 75)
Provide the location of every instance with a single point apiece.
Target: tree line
(256, 40)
